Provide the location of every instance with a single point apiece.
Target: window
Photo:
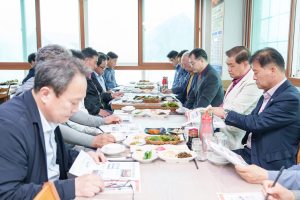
(7, 75)
(157, 76)
(123, 77)
(295, 72)
(113, 26)
(18, 32)
(270, 25)
(60, 23)
(167, 25)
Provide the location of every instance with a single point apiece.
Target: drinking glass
(223, 140)
(197, 147)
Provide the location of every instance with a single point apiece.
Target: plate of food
(144, 81)
(155, 131)
(158, 113)
(175, 131)
(162, 139)
(138, 98)
(145, 156)
(130, 141)
(132, 82)
(175, 156)
(138, 113)
(151, 99)
(145, 87)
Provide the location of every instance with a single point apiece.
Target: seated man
(52, 51)
(279, 192)
(186, 82)
(100, 83)
(93, 101)
(272, 135)
(32, 147)
(242, 95)
(31, 60)
(208, 89)
(173, 59)
(109, 74)
(254, 174)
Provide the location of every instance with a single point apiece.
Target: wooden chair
(48, 192)
(4, 93)
(298, 155)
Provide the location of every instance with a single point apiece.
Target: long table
(161, 180)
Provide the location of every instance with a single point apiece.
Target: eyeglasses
(120, 184)
(192, 64)
(102, 67)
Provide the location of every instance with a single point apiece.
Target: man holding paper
(32, 147)
(242, 95)
(272, 137)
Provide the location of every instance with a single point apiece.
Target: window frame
(141, 65)
(247, 43)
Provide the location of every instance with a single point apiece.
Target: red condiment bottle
(164, 82)
(206, 125)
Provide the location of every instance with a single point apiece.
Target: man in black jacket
(32, 147)
(95, 101)
(208, 89)
(31, 61)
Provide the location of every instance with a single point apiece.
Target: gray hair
(58, 73)
(186, 54)
(52, 51)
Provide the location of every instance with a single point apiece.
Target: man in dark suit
(208, 89)
(273, 127)
(31, 61)
(32, 147)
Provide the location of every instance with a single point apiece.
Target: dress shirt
(267, 95)
(189, 85)
(201, 73)
(110, 80)
(101, 81)
(177, 70)
(234, 83)
(51, 148)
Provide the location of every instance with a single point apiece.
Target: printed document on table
(226, 153)
(85, 164)
(240, 196)
(126, 129)
(118, 177)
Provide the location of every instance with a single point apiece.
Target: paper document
(117, 176)
(226, 153)
(126, 129)
(240, 196)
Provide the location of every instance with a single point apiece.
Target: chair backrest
(298, 155)
(6, 89)
(48, 192)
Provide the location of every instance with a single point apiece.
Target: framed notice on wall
(217, 35)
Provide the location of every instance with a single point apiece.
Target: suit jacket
(93, 101)
(275, 131)
(106, 97)
(241, 99)
(208, 92)
(23, 168)
(30, 74)
(181, 88)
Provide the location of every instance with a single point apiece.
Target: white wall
(233, 29)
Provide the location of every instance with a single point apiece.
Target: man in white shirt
(242, 95)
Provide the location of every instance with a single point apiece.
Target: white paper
(218, 122)
(240, 196)
(125, 129)
(84, 164)
(226, 153)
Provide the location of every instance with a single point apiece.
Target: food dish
(129, 141)
(162, 139)
(144, 81)
(132, 82)
(139, 157)
(128, 109)
(161, 131)
(109, 152)
(137, 101)
(214, 161)
(175, 131)
(138, 113)
(171, 156)
(145, 87)
(180, 111)
(158, 113)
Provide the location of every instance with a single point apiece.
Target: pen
(195, 163)
(282, 168)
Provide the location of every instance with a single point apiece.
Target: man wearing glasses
(208, 89)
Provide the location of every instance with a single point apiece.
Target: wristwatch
(225, 112)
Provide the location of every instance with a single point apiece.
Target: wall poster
(217, 35)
